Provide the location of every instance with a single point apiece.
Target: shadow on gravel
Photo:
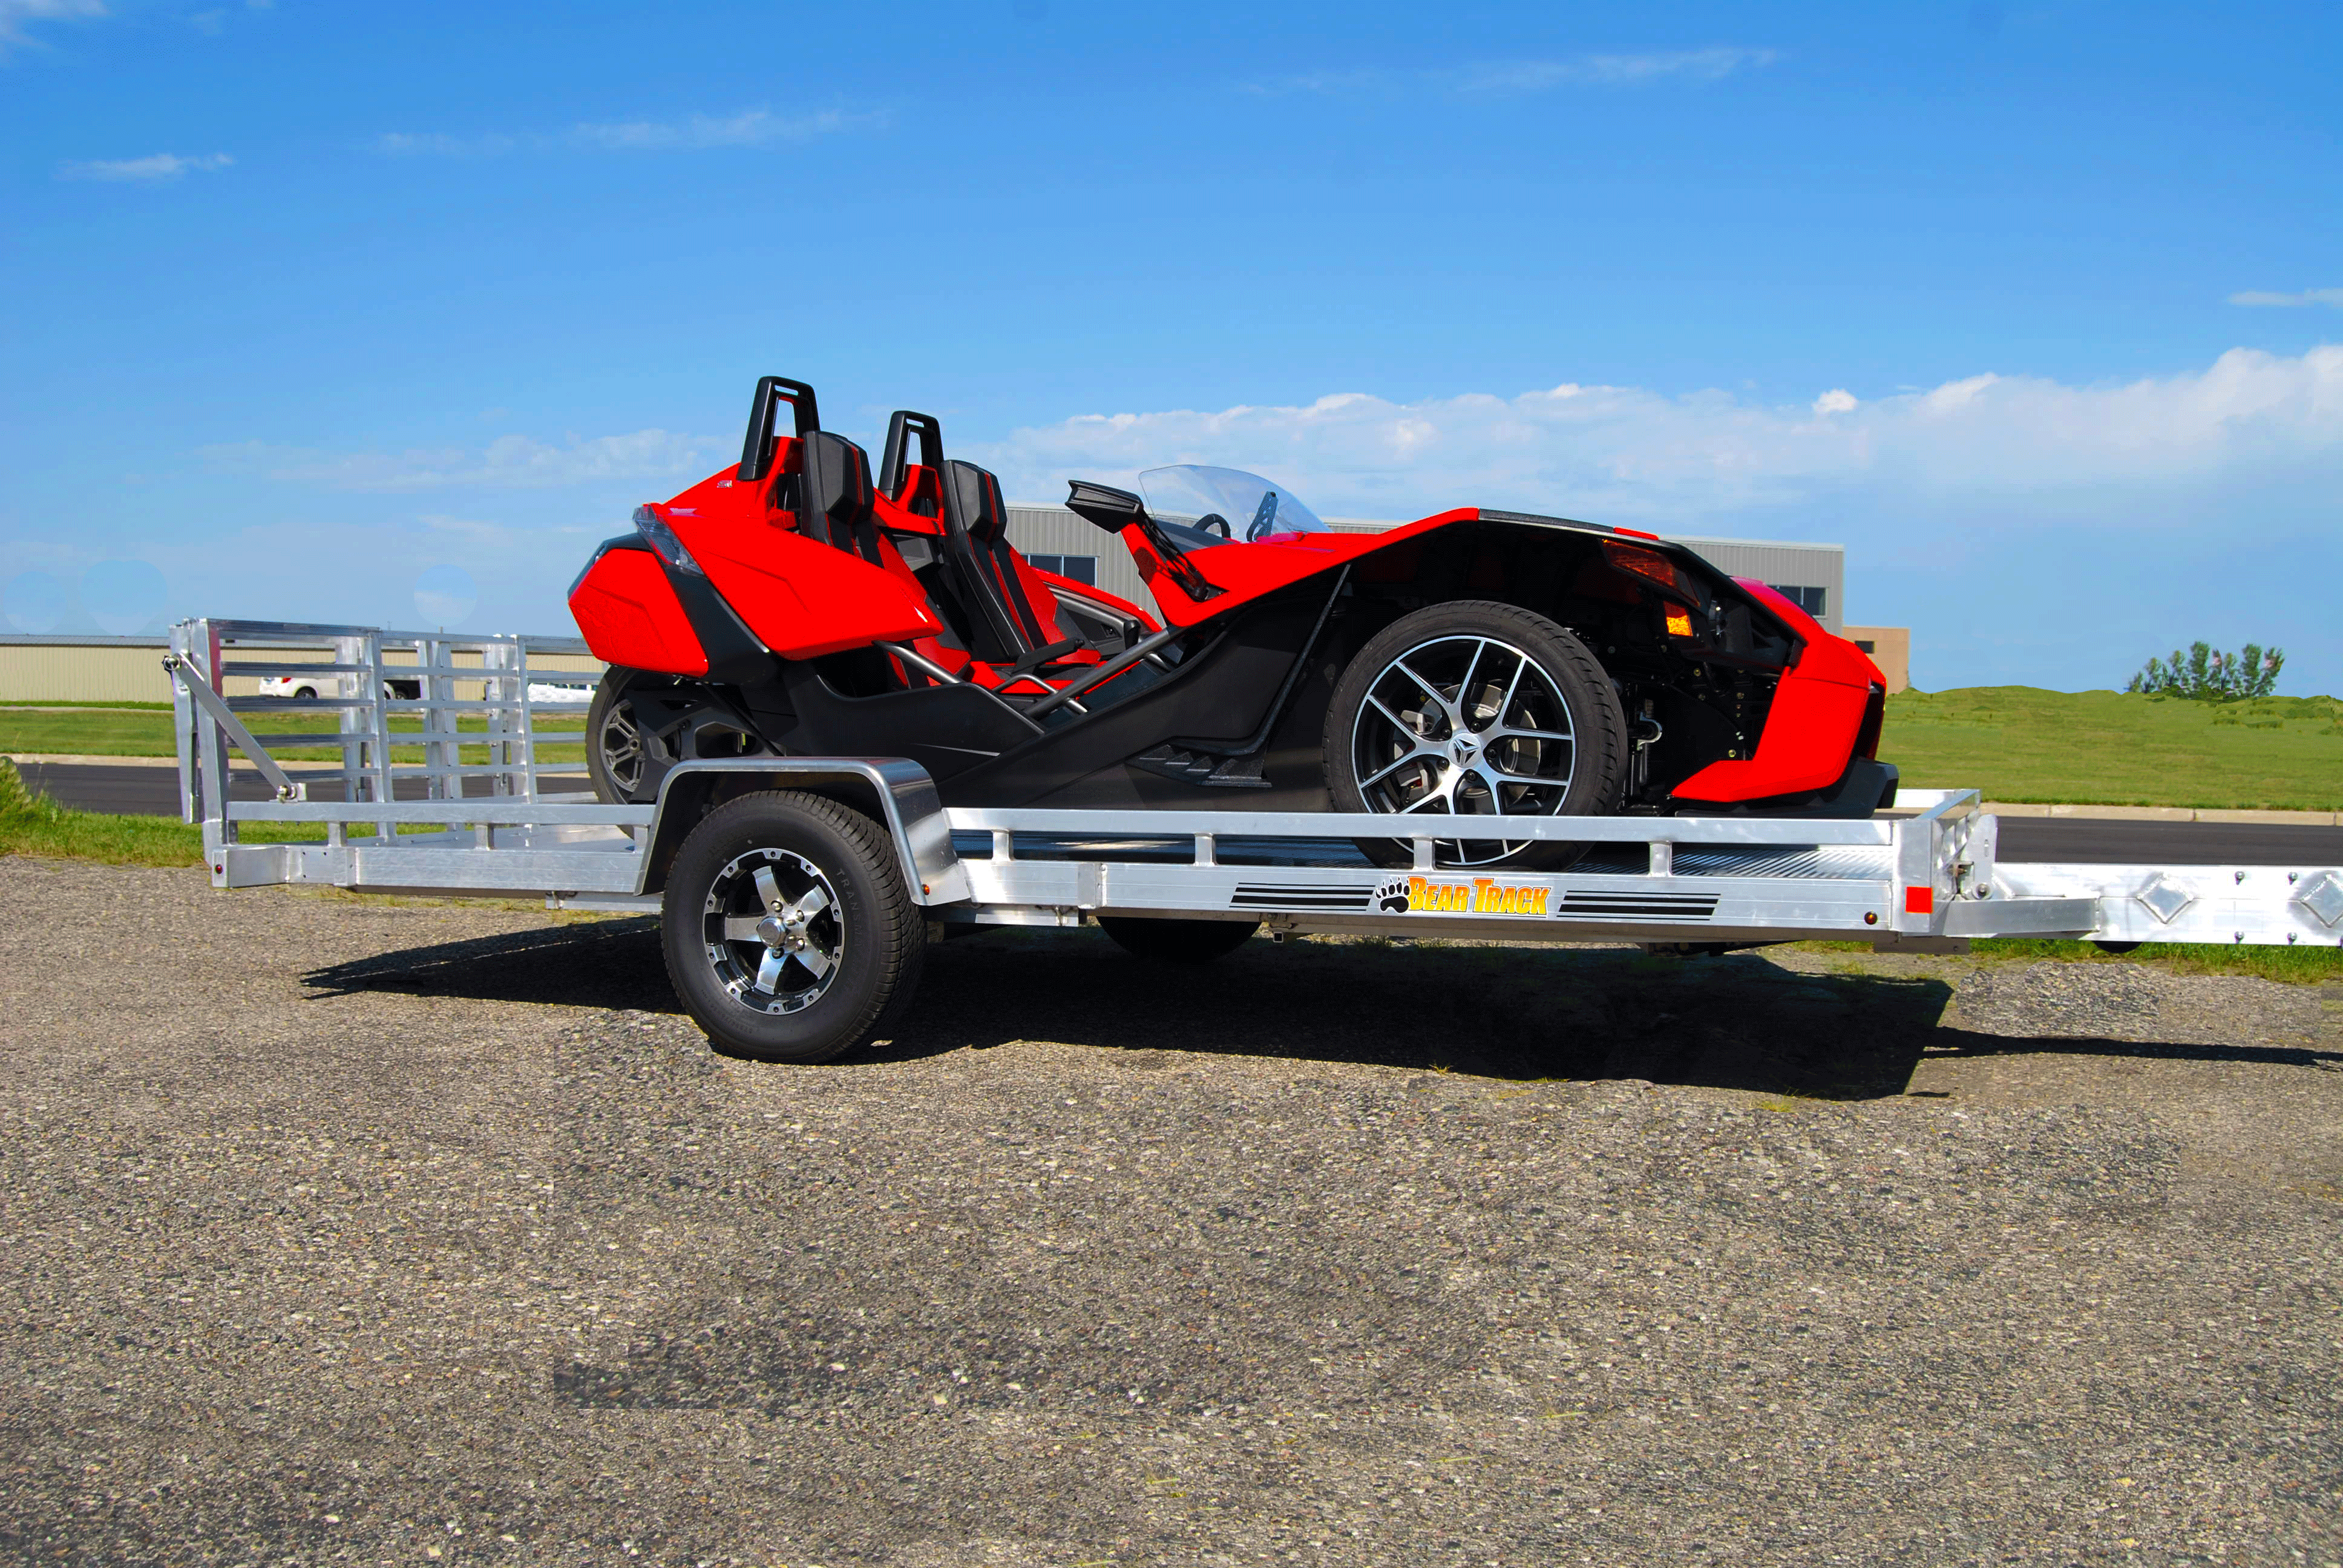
(1730, 1022)
(595, 964)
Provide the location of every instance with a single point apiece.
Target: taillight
(1874, 718)
(1649, 564)
(1679, 619)
(663, 542)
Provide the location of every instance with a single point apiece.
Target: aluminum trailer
(796, 894)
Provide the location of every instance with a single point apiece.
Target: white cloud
(749, 128)
(754, 128)
(1517, 76)
(2308, 296)
(158, 166)
(15, 13)
(1514, 78)
(1624, 453)
(507, 463)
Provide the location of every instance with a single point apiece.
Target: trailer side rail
(419, 812)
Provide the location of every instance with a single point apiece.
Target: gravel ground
(340, 1230)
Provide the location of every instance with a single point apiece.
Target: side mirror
(1103, 506)
(1115, 510)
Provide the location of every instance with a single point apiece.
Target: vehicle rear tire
(307, 692)
(641, 723)
(788, 931)
(1474, 708)
(615, 758)
(1174, 941)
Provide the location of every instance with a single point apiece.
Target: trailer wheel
(1177, 942)
(1474, 708)
(788, 933)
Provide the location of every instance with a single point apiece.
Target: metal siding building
(1055, 531)
(1817, 570)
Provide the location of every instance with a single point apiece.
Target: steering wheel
(1264, 520)
(1214, 520)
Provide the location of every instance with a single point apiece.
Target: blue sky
(2037, 308)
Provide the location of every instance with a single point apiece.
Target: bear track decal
(1446, 896)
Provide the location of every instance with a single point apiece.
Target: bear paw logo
(1391, 898)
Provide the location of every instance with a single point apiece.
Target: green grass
(29, 702)
(2287, 965)
(141, 733)
(2021, 743)
(2016, 743)
(2290, 965)
(33, 824)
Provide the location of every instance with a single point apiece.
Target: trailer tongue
(797, 893)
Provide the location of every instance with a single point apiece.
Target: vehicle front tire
(788, 931)
(1174, 941)
(1476, 708)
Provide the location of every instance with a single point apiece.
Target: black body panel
(946, 730)
(1221, 692)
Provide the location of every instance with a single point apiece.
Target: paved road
(155, 791)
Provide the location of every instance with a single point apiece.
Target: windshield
(1202, 507)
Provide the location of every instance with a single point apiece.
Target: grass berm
(2021, 743)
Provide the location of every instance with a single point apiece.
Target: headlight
(661, 539)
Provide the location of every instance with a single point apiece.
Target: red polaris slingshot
(1473, 662)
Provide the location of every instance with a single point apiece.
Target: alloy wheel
(772, 930)
(621, 745)
(1464, 726)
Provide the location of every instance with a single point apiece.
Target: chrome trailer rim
(1464, 726)
(771, 929)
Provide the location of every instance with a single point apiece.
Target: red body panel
(802, 598)
(630, 616)
(1811, 728)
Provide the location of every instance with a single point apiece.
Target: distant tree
(2208, 675)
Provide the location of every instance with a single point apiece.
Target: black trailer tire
(788, 931)
(1174, 941)
(1539, 732)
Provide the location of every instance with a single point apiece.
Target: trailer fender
(899, 795)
